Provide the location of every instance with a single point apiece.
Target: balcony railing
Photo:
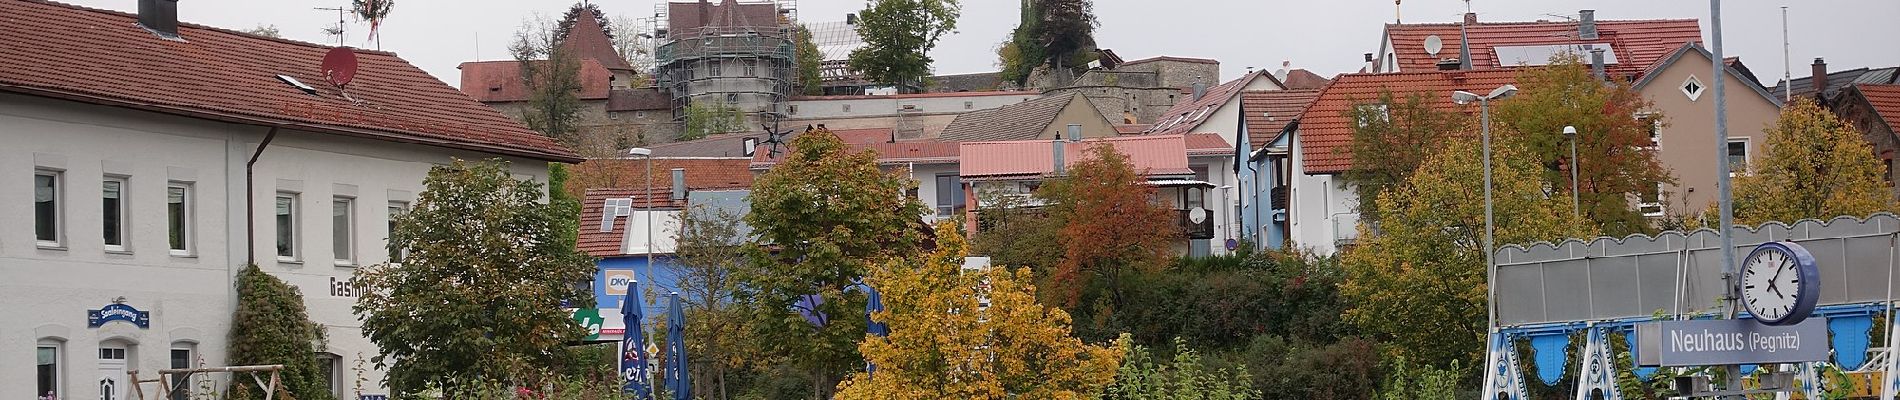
(1202, 230)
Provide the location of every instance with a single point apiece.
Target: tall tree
(476, 299)
(898, 36)
(1066, 32)
(711, 248)
(552, 76)
(635, 46)
(1392, 136)
(1417, 283)
(1615, 160)
(270, 326)
(1111, 223)
(822, 218)
(1022, 52)
(1816, 166)
(810, 61)
(944, 343)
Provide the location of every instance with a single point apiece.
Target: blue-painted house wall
(666, 279)
(1258, 210)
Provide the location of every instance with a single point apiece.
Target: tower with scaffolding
(734, 54)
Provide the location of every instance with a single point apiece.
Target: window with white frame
(48, 374)
(329, 365)
(178, 215)
(342, 230)
(396, 209)
(1737, 156)
(713, 68)
(286, 216)
(751, 67)
(1651, 202)
(48, 212)
(182, 356)
(1692, 87)
(112, 215)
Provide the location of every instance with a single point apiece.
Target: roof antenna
(340, 30)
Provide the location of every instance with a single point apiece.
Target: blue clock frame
(1808, 293)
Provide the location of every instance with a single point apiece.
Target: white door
(113, 384)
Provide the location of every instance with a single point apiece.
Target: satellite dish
(1433, 44)
(339, 65)
(1197, 215)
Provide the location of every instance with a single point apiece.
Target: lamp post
(1576, 210)
(647, 154)
(1490, 264)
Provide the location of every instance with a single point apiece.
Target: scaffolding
(723, 58)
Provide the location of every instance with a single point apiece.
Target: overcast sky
(1325, 36)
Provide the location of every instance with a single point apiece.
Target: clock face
(1779, 283)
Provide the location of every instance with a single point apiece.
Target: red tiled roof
(106, 57)
(588, 41)
(1152, 154)
(607, 244)
(1131, 129)
(500, 81)
(1269, 111)
(701, 173)
(1206, 144)
(641, 99)
(1885, 100)
(1189, 113)
(686, 18)
(1303, 79)
(1325, 133)
(1637, 43)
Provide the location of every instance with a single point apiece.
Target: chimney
(1449, 64)
(1464, 40)
(1471, 18)
(1057, 152)
(679, 184)
(1820, 76)
(1075, 132)
(160, 16)
(1200, 89)
(1587, 24)
(1596, 63)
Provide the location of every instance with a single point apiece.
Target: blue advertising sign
(1729, 342)
(118, 312)
(373, 397)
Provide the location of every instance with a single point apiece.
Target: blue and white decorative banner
(118, 312)
(1598, 374)
(1502, 373)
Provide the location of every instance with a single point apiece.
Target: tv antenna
(340, 29)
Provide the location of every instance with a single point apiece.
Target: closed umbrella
(676, 377)
(874, 302)
(633, 352)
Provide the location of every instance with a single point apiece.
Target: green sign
(589, 318)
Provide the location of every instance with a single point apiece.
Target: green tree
(706, 119)
(822, 218)
(945, 343)
(552, 76)
(1066, 32)
(1412, 381)
(898, 36)
(1112, 224)
(711, 247)
(1416, 281)
(477, 296)
(1615, 161)
(271, 327)
(1021, 53)
(1816, 166)
(1012, 232)
(1391, 137)
(809, 62)
(1187, 376)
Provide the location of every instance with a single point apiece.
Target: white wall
(1322, 208)
(1220, 172)
(47, 291)
(885, 106)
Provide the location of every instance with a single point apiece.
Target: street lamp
(1576, 211)
(1490, 264)
(647, 154)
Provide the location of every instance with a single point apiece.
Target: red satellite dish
(339, 66)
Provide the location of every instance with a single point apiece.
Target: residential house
(931, 164)
(1043, 118)
(616, 224)
(1875, 111)
(208, 149)
(1308, 156)
(1216, 109)
(1268, 115)
(913, 116)
(1188, 172)
(1631, 45)
(1678, 86)
(1824, 86)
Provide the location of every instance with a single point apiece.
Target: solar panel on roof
(1535, 55)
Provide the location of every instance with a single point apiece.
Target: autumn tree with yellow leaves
(944, 343)
(1817, 166)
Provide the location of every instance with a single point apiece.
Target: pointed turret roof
(588, 40)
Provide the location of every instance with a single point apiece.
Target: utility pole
(1787, 66)
(1727, 207)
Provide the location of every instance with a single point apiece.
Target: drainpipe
(250, 199)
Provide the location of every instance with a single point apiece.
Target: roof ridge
(194, 25)
(1507, 23)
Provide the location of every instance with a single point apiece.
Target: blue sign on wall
(118, 312)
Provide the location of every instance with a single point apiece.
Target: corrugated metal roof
(1151, 154)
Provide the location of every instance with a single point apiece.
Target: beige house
(1681, 88)
(1044, 118)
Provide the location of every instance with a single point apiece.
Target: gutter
(250, 199)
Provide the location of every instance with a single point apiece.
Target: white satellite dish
(1433, 44)
(1197, 215)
